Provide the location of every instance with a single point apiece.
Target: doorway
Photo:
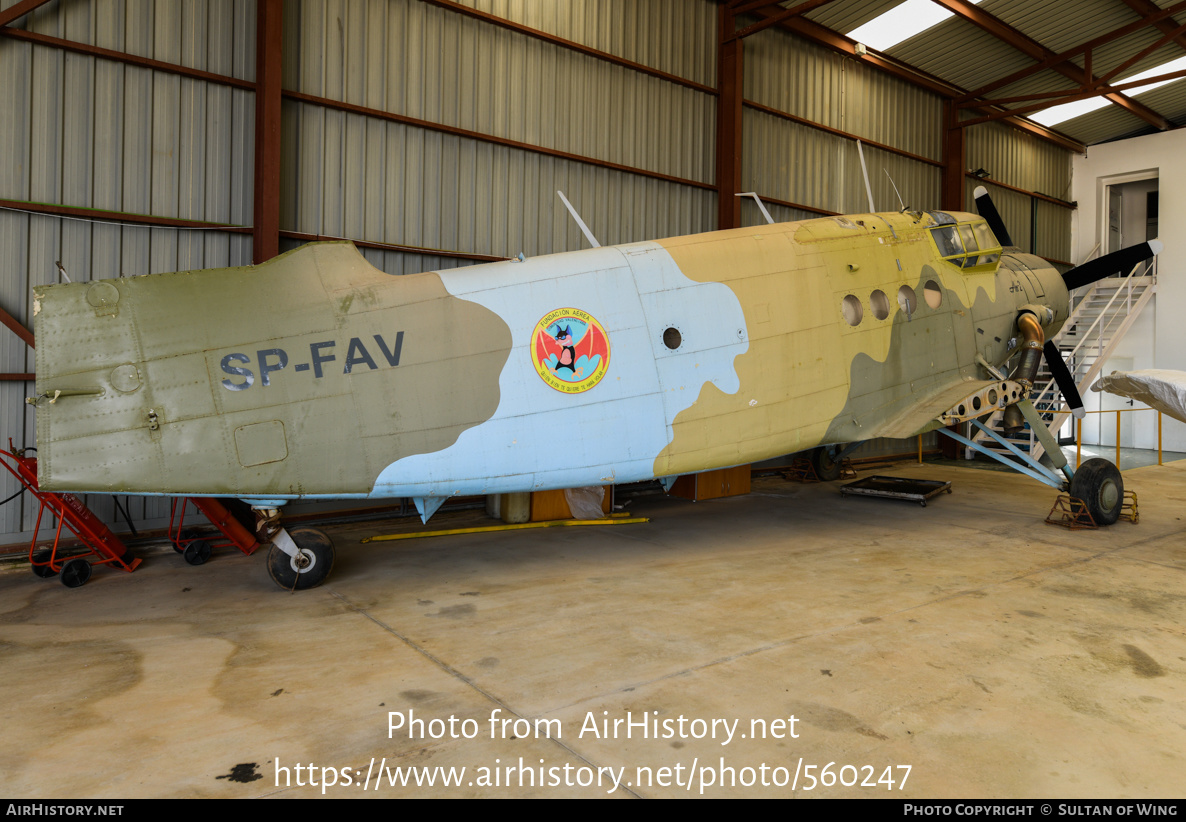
(1131, 214)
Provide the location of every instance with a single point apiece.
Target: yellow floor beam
(556, 523)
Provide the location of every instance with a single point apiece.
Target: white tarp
(585, 503)
(1157, 388)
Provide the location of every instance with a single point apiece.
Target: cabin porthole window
(853, 311)
(933, 294)
(906, 299)
(880, 304)
(672, 338)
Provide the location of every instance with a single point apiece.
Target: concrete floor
(994, 655)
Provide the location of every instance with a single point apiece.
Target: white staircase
(1101, 316)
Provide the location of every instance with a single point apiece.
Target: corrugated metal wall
(1027, 162)
(95, 133)
(361, 177)
(805, 165)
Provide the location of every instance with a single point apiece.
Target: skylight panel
(1067, 111)
(900, 23)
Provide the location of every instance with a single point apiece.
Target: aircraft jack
(196, 548)
(70, 511)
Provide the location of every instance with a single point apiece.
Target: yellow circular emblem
(570, 350)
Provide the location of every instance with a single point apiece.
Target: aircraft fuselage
(317, 375)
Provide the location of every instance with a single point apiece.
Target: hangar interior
(150, 136)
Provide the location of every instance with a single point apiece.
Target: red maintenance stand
(196, 547)
(101, 544)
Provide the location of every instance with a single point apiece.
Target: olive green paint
(155, 346)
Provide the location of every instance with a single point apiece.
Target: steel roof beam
(1106, 79)
(1160, 17)
(836, 41)
(1035, 50)
(1058, 98)
(775, 18)
(1071, 95)
(1156, 16)
(741, 7)
(828, 38)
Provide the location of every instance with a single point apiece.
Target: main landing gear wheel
(1098, 483)
(310, 567)
(826, 466)
(75, 573)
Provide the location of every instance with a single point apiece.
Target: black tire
(197, 552)
(827, 468)
(75, 573)
(310, 568)
(44, 570)
(1099, 484)
(186, 535)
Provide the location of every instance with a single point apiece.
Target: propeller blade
(987, 210)
(1118, 262)
(1062, 376)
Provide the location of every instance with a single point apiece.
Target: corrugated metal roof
(961, 53)
(1061, 24)
(845, 15)
(1109, 123)
(965, 54)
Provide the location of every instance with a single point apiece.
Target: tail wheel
(310, 567)
(826, 466)
(1098, 483)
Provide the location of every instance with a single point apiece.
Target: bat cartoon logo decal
(570, 350)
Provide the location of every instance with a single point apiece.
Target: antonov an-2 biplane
(315, 375)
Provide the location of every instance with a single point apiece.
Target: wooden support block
(722, 482)
(550, 505)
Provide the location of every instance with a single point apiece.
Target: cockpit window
(942, 218)
(948, 241)
(966, 245)
(984, 236)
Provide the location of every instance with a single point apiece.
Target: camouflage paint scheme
(317, 375)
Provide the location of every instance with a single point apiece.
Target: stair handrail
(1084, 335)
(1047, 394)
(1058, 406)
